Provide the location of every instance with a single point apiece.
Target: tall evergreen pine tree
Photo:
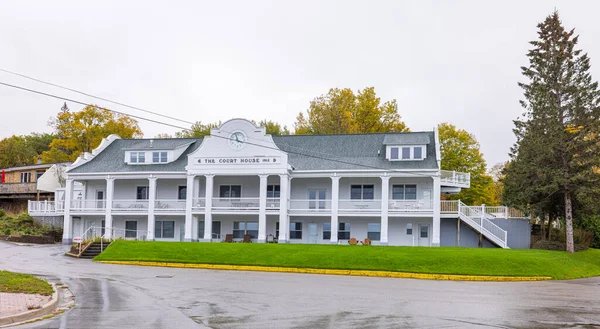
(558, 136)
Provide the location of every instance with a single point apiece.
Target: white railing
(310, 206)
(273, 203)
(198, 203)
(449, 206)
(130, 205)
(455, 178)
(50, 208)
(236, 204)
(88, 205)
(116, 233)
(359, 205)
(92, 232)
(410, 205)
(163, 205)
(478, 218)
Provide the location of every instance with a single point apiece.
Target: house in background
(240, 183)
(19, 185)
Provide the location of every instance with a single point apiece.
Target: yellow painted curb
(385, 274)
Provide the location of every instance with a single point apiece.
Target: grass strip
(444, 260)
(23, 283)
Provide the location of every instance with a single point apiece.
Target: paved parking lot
(117, 296)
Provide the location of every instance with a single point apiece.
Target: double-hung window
(25, 177)
(131, 228)
(406, 153)
(418, 153)
(326, 231)
(164, 229)
(230, 191)
(137, 157)
(159, 157)
(242, 228)
(374, 231)
(362, 192)
(182, 192)
(344, 231)
(296, 230)
(142, 193)
(216, 229)
(404, 192)
(273, 191)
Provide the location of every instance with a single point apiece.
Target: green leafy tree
(14, 151)
(461, 152)
(556, 153)
(341, 111)
(83, 131)
(273, 128)
(198, 130)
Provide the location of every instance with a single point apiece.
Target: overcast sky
(454, 61)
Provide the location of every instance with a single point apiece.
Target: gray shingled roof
(305, 152)
(348, 152)
(112, 159)
(417, 138)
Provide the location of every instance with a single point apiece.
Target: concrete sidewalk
(11, 304)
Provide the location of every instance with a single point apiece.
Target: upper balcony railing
(359, 205)
(310, 206)
(455, 178)
(410, 205)
(165, 205)
(235, 204)
(15, 188)
(130, 205)
(88, 205)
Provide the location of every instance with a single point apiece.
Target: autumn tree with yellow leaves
(341, 111)
(82, 131)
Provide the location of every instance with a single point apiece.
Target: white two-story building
(240, 182)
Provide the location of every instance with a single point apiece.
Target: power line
(93, 96)
(86, 104)
(188, 129)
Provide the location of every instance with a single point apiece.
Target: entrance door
(423, 234)
(427, 199)
(316, 199)
(100, 199)
(77, 227)
(312, 233)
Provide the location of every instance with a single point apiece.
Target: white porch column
(189, 218)
(335, 195)
(108, 220)
(68, 220)
(284, 226)
(208, 208)
(262, 208)
(435, 235)
(385, 202)
(151, 207)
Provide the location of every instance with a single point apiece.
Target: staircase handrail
(479, 216)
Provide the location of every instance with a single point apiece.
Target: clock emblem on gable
(237, 140)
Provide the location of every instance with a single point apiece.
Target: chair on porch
(228, 238)
(247, 238)
(367, 242)
(353, 241)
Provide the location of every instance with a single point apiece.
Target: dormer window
(159, 157)
(137, 157)
(406, 153)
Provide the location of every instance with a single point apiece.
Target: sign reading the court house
(240, 161)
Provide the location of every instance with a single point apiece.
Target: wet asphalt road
(118, 296)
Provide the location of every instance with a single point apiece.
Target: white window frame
(134, 157)
(404, 191)
(411, 152)
(295, 230)
(411, 228)
(160, 156)
(362, 191)
(374, 223)
(162, 229)
(26, 177)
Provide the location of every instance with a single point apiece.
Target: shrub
(2, 213)
(592, 224)
(556, 245)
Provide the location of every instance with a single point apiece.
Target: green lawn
(468, 261)
(25, 283)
